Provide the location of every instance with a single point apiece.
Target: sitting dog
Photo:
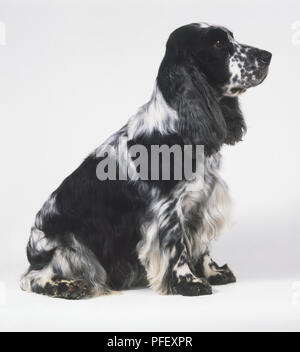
(97, 235)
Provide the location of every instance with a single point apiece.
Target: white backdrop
(71, 73)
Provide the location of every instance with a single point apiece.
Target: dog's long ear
(236, 126)
(201, 121)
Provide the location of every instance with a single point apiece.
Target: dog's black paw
(67, 289)
(223, 276)
(197, 287)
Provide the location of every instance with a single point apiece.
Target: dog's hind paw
(67, 289)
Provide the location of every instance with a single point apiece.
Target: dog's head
(230, 67)
(201, 75)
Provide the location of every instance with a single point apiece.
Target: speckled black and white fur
(94, 237)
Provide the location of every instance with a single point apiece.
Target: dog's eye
(218, 44)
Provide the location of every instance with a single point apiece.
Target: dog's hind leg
(68, 271)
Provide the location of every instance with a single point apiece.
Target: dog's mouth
(238, 90)
(264, 75)
(260, 77)
(253, 83)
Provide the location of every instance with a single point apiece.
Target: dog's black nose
(264, 56)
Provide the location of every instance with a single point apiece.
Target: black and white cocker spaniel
(96, 235)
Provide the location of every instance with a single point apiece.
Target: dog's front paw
(222, 277)
(191, 287)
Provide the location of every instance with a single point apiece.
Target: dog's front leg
(164, 255)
